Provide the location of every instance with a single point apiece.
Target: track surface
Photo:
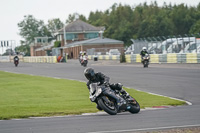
(175, 80)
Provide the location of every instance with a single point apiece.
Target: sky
(13, 11)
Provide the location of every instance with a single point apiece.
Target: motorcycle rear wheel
(107, 107)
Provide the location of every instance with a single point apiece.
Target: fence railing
(34, 59)
(41, 59)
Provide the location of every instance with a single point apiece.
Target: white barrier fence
(34, 59)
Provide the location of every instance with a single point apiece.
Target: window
(71, 36)
(91, 35)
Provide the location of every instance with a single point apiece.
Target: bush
(57, 44)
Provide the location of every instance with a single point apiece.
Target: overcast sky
(13, 11)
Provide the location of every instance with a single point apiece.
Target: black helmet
(89, 73)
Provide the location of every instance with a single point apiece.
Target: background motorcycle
(84, 61)
(101, 95)
(16, 62)
(145, 60)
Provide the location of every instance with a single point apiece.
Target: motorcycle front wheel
(145, 64)
(108, 106)
(134, 107)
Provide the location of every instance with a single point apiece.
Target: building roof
(94, 41)
(80, 26)
(47, 47)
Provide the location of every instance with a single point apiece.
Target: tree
(195, 28)
(25, 49)
(54, 25)
(31, 28)
(75, 16)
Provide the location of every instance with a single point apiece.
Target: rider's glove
(106, 83)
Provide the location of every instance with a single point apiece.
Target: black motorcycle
(16, 62)
(101, 95)
(145, 60)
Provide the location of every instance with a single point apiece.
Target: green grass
(23, 96)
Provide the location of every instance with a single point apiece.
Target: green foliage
(195, 28)
(8, 52)
(57, 44)
(54, 25)
(122, 22)
(72, 17)
(31, 27)
(25, 96)
(23, 49)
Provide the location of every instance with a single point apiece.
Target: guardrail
(41, 59)
(4, 59)
(155, 58)
(105, 57)
(35, 59)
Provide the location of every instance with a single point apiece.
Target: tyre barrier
(154, 58)
(41, 59)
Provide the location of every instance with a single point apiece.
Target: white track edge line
(145, 129)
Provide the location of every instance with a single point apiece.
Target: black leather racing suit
(101, 78)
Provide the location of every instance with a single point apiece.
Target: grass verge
(23, 96)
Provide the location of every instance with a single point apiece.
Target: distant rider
(16, 58)
(83, 57)
(143, 52)
(103, 79)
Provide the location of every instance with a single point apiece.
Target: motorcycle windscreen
(93, 87)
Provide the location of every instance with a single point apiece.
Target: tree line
(124, 22)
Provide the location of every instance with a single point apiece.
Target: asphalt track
(175, 80)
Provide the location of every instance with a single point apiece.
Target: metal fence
(167, 44)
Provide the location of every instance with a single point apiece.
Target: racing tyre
(108, 107)
(134, 107)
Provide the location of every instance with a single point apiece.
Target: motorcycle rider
(143, 53)
(16, 58)
(100, 78)
(83, 57)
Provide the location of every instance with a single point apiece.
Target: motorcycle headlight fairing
(99, 90)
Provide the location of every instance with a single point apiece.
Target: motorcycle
(16, 62)
(101, 95)
(84, 61)
(145, 60)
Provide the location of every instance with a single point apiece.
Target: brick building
(93, 46)
(81, 36)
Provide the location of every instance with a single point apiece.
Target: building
(41, 46)
(81, 36)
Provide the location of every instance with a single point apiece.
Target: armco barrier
(172, 58)
(104, 57)
(41, 59)
(4, 59)
(155, 58)
(191, 58)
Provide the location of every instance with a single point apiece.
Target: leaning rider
(102, 79)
